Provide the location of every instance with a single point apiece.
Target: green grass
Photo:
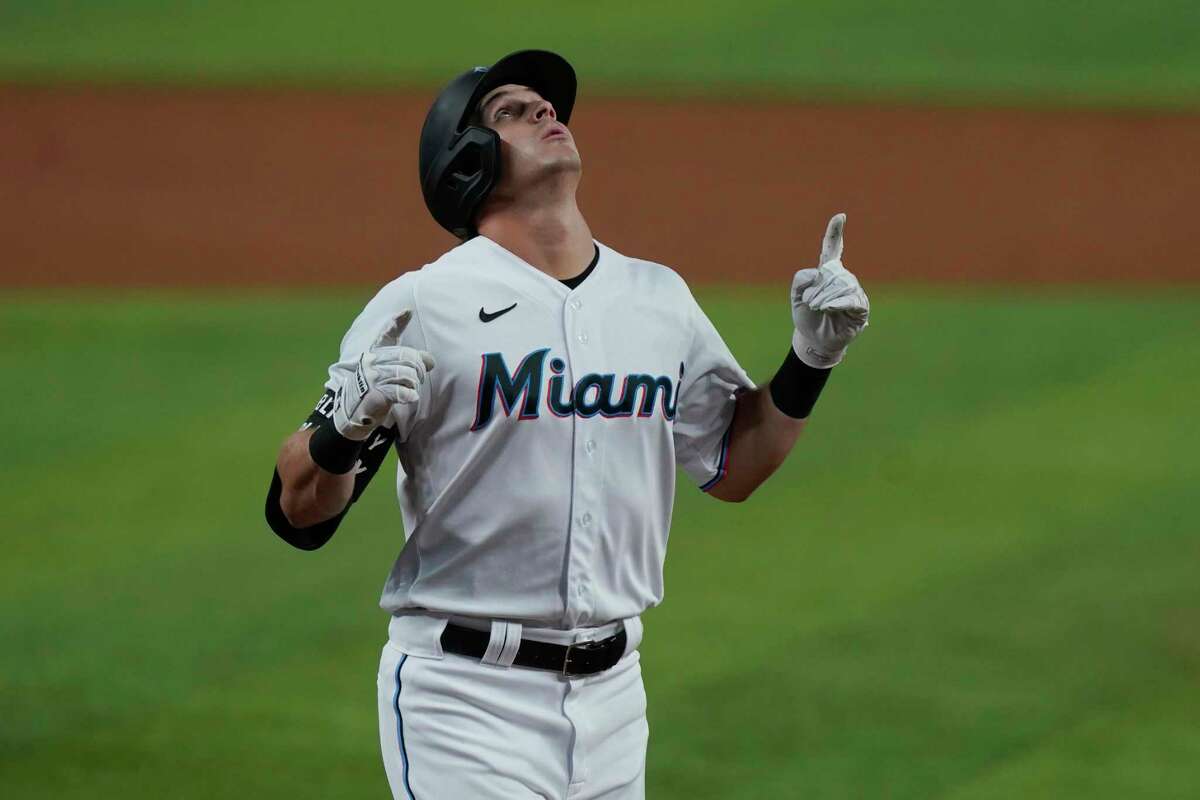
(1077, 52)
(976, 577)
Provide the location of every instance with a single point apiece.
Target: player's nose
(543, 109)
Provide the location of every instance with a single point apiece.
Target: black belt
(580, 658)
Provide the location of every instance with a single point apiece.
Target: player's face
(534, 144)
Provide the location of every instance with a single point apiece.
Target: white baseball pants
(452, 728)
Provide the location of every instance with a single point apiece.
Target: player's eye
(510, 110)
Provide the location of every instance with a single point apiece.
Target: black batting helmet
(460, 162)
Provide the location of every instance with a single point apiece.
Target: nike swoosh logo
(486, 317)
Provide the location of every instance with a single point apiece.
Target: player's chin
(566, 160)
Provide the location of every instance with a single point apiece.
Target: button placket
(582, 537)
(575, 304)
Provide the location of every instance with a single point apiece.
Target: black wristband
(796, 386)
(331, 451)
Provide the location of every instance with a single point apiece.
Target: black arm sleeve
(796, 386)
(374, 452)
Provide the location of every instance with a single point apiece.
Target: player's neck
(554, 238)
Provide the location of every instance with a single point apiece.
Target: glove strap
(812, 356)
(796, 386)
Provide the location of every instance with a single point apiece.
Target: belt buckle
(584, 647)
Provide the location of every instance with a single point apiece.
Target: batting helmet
(460, 162)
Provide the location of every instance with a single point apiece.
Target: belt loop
(633, 634)
(496, 644)
(511, 644)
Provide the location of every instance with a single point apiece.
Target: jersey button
(585, 520)
(583, 338)
(576, 304)
(589, 446)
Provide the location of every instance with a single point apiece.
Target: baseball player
(539, 389)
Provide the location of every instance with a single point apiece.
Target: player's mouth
(556, 129)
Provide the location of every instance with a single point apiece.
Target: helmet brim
(546, 73)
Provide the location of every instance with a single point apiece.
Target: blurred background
(975, 578)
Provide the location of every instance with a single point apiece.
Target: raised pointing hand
(388, 375)
(829, 307)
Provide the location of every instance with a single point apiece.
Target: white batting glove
(387, 378)
(829, 307)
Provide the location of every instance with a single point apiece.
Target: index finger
(390, 335)
(831, 245)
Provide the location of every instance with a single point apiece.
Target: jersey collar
(529, 273)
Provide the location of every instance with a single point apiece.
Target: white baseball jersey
(537, 474)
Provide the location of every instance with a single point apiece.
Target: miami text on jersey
(592, 394)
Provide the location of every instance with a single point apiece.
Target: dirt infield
(158, 187)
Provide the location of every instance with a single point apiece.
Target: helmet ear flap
(465, 175)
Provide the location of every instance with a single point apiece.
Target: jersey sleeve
(397, 296)
(708, 391)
